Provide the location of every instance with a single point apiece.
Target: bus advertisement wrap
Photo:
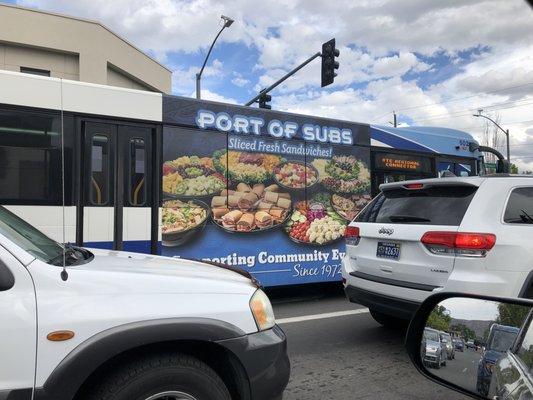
(273, 201)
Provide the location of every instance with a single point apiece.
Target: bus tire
(161, 376)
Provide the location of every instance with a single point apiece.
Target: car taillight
(475, 241)
(414, 186)
(445, 239)
(352, 235)
(467, 244)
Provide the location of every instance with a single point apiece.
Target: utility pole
(508, 147)
(395, 120)
(505, 131)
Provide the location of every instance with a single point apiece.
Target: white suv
(472, 235)
(125, 326)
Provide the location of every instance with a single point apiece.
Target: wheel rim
(171, 395)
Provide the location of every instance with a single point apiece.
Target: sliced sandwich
(246, 223)
(230, 220)
(263, 219)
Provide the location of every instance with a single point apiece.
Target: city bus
(267, 191)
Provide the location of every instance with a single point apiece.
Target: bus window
(456, 168)
(31, 159)
(99, 185)
(137, 172)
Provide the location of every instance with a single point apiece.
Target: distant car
(434, 353)
(459, 345)
(501, 338)
(470, 344)
(446, 339)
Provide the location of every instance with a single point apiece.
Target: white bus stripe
(321, 316)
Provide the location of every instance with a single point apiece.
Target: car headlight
(262, 310)
(431, 349)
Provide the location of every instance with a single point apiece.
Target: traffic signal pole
(285, 77)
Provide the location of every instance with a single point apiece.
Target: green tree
(439, 319)
(511, 314)
(486, 335)
(514, 169)
(463, 331)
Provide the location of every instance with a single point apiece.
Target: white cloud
(183, 80)
(209, 95)
(398, 65)
(239, 81)
(287, 30)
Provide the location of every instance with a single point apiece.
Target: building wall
(57, 41)
(119, 78)
(60, 65)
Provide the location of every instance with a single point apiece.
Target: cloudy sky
(471, 309)
(434, 62)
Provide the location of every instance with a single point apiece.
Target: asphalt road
(462, 370)
(345, 354)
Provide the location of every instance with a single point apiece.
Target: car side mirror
(502, 323)
(7, 280)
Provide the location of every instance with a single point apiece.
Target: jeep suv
(107, 325)
(416, 238)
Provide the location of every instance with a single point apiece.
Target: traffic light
(264, 100)
(329, 64)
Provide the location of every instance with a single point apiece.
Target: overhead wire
(457, 99)
(461, 113)
(463, 98)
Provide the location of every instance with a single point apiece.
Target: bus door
(118, 187)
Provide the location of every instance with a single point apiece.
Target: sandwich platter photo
(251, 209)
(233, 196)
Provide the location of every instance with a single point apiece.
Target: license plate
(388, 250)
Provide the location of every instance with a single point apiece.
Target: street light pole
(505, 131)
(283, 78)
(227, 23)
(508, 147)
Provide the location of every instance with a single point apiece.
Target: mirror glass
(483, 346)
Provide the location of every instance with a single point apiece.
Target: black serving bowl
(173, 239)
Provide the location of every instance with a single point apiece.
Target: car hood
(182, 274)
(432, 343)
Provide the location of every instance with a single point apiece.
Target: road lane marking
(321, 316)
(464, 370)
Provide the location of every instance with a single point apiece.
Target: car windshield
(502, 340)
(440, 205)
(37, 243)
(431, 335)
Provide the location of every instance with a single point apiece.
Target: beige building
(44, 43)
